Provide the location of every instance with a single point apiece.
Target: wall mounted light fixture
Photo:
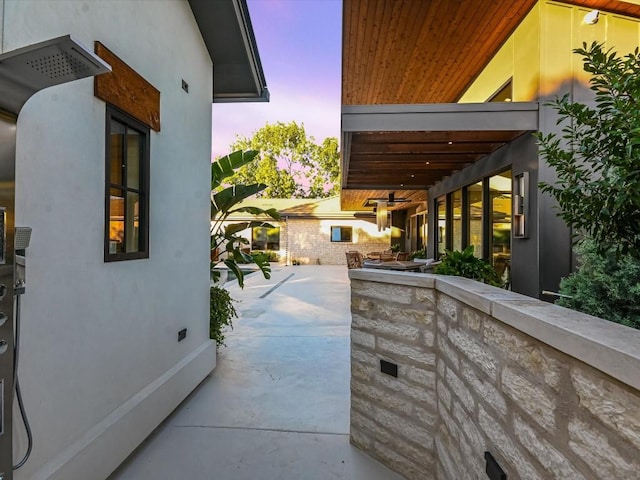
(520, 205)
(591, 18)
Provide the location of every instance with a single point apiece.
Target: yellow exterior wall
(538, 55)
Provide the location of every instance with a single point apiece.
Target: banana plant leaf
(225, 166)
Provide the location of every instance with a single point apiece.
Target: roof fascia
(440, 117)
(209, 15)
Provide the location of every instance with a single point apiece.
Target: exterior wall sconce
(591, 18)
(520, 205)
(381, 215)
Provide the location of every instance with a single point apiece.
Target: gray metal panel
(27, 70)
(7, 192)
(225, 26)
(440, 117)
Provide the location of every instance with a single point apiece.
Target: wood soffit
(408, 51)
(418, 52)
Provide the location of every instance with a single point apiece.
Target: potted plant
(465, 264)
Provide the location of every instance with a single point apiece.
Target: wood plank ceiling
(419, 51)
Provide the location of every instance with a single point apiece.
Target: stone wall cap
(411, 279)
(607, 346)
(475, 294)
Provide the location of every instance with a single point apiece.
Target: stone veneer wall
(551, 393)
(309, 240)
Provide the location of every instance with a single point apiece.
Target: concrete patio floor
(277, 405)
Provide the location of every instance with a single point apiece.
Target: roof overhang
(405, 149)
(226, 29)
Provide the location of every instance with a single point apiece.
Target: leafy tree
(597, 158)
(290, 162)
(224, 201)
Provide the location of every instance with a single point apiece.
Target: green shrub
(221, 311)
(604, 286)
(465, 264)
(422, 253)
(271, 255)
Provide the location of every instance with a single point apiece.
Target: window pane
(441, 227)
(132, 222)
(116, 221)
(116, 161)
(273, 238)
(341, 234)
(500, 191)
(474, 212)
(456, 224)
(134, 158)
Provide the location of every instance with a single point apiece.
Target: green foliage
(395, 248)
(271, 255)
(290, 163)
(221, 313)
(597, 158)
(465, 264)
(605, 286)
(422, 253)
(224, 201)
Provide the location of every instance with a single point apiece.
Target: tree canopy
(290, 163)
(597, 157)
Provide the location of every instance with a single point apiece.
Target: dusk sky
(300, 48)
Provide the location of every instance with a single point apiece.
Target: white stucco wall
(100, 364)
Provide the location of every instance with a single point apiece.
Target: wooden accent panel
(355, 199)
(411, 51)
(127, 90)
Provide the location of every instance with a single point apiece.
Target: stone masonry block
(426, 295)
(442, 324)
(556, 464)
(442, 367)
(424, 377)
(403, 352)
(475, 350)
(460, 391)
(420, 456)
(418, 317)
(523, 350)
(400, 463)
(448, 353)
(510, 453)
(448, 307)
(404, 428)
(424, 396)
(382, 397)
(386, 327)
(594, 448)
(483, 389)
(469, 428)
(361, 371)
(364, 356)
(444, 394)
(369, 427)
(382, 291)
(616, 407)
(361, 304)
(429, 338)
(425, 416)
(531, 398)
(471, 319)
(363, 338)
(449, 467)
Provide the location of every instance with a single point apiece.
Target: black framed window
(126, 188)
(265, 238)
(341, 234)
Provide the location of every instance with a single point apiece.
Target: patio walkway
(277, 405)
